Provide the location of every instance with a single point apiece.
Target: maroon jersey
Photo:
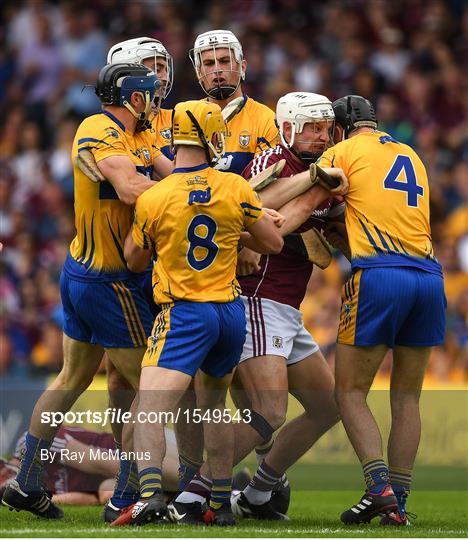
(59, 478)
(284, 277)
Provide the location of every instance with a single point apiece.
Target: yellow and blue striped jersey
(102, 221)
(193, 222)
(250, 132)
(387, 206)
(162, 125)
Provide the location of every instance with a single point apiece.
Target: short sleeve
(260, 162)
(328, 158)
(102, 142)
(268, 138)
(251, 205)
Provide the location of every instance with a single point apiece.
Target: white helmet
(134, 51)
(210, 41)
(299, 108)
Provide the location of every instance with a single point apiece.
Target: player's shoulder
(268, 157)
(101, 124)
(251, 105)
(162, 120)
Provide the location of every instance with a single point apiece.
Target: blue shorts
(109, 313)
(393, 306)
(188, 336)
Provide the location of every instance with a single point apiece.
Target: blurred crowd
(407, 56)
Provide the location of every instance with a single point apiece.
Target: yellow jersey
(193, 223)
(250, 132)
(162, 126)
(387, 206)
(102, 221)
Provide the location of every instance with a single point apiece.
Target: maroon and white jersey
(284, 277)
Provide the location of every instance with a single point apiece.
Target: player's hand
(278, 219)
(338, 173)
(248, 262)
(335, 173)
(336, 235)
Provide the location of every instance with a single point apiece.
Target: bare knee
(69, 381)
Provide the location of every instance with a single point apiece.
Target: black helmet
(117, 82)
(353, 112)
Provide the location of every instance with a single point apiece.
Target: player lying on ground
(279, 354)
(82, 464)
(104, 308)
(194, 220)
(394, 299)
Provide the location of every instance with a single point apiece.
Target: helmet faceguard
(210, 42)
(137, 50)
(354, 112)
(298, 109)
(117, 82)
(198, 123)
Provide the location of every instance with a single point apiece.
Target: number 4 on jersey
(404, 163)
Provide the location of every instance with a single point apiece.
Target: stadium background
(407, 57)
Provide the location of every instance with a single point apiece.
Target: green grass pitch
(312, 513)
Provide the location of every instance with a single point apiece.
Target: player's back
(387, 206)
(101, 219)
(250, 131)
(194, 217)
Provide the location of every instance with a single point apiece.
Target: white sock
(254, 496)
(189, 497)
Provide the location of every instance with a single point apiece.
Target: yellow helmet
(199, 123)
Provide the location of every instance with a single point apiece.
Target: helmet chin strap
(221, 93)
(306, 157)
(142, 117)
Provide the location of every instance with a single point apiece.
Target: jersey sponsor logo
(321, 213)
(197, 180)
(277, 342)
(165, 133)
(244, 139)
(199, 196)
(142, 152)
(224, 163)
(112, 132)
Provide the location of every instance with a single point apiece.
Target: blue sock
(187, 470)
(375, 474)
(400, 480)
(220, 493)
(150, 481)
(127, 487)
(29, 476)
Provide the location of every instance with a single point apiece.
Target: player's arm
(263, 236)
(162, 167)
(137, 258)
(138, 247)
(275, 192)
(75, 497)
(299, 209)
(127, 182)
(336, 234)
